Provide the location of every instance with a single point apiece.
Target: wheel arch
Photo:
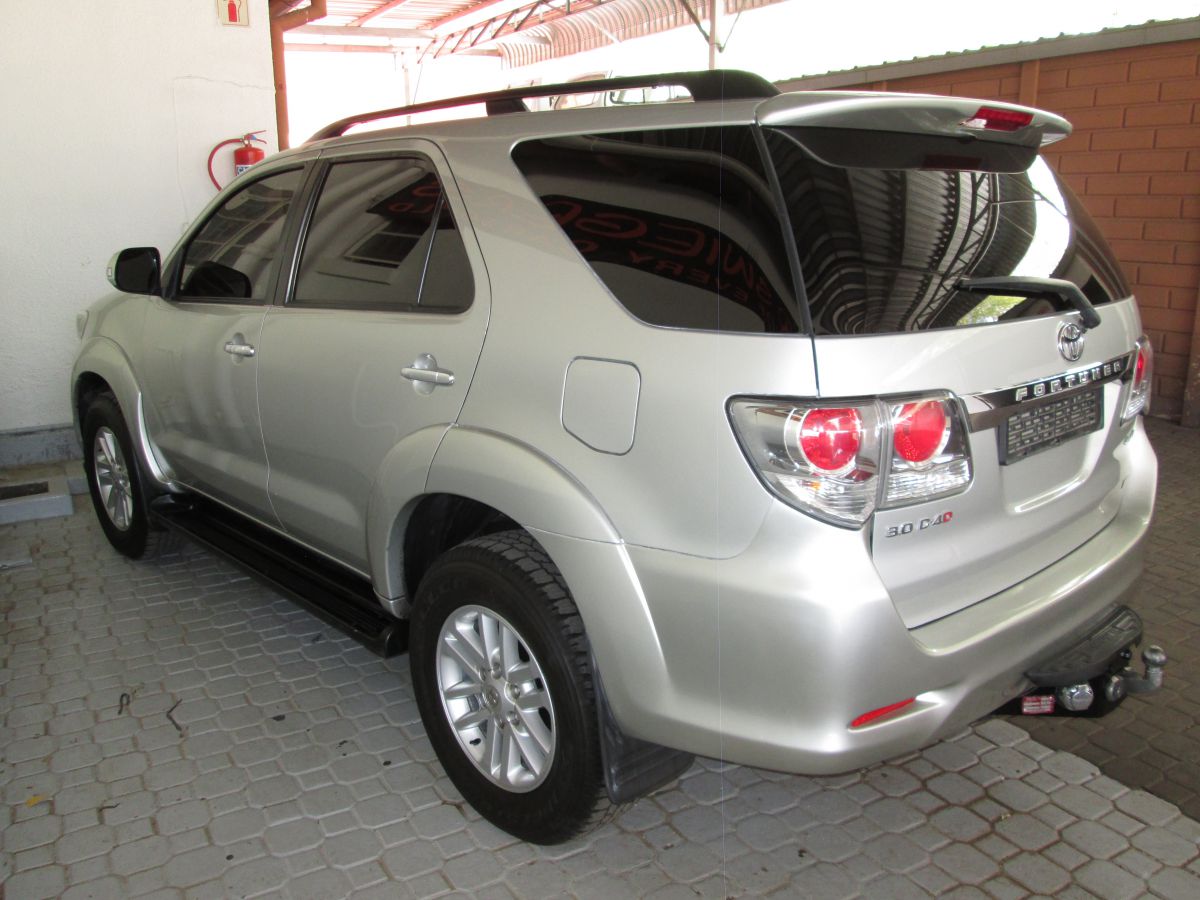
(100, 367)
(495, 482)
(461, 483)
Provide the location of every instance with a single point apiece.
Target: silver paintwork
(496, 699)
(112, 478)
(902, 112)
(708, 604)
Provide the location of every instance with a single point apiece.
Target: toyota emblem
(1070, 341)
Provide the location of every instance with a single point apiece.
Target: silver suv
(798, 430)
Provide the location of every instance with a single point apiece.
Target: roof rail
(718, 84)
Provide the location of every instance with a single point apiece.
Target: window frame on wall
(364, 232)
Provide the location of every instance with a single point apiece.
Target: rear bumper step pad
(1096, 655)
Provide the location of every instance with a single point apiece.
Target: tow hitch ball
(1127, 681)
(1101, 694)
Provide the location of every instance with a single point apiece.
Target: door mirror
(136, 271)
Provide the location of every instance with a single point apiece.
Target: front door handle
(425, 374)
(236, 349)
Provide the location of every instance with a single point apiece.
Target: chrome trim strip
(1002, 403)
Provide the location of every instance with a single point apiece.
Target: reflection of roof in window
(406, 214)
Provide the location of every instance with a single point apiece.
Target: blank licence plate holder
(1050, 424)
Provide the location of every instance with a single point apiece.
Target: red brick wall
(1134, 160)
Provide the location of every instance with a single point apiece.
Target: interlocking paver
(965, 864)
(300, 766)
(1109, 881)
(1094, 839)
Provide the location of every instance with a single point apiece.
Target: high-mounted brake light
(994, 118)
(840, 461)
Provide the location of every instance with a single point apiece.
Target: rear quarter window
(678, 224)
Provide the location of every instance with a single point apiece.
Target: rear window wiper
(1024, 284)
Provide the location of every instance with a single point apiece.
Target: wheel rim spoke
(536, 729)
(472, 719)
(522, 673)
(462, 690)
(489, 630)
(112, 479)
(491, 753)
(532, 748)
(510, 653)
(531, 701)
(495, 698)
(463, 649)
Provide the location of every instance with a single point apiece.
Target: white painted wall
(325, 87)
(110, 110)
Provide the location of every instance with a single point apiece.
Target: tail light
(841, 461)
(930, 457)
(1139, 388)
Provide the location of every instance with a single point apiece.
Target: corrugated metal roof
(614, 21)
(520, 31)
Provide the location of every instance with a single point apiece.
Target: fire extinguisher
(243, 157)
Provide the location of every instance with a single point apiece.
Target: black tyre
(502, 677)
(112, 474)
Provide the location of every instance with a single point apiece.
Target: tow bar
(1093, 677)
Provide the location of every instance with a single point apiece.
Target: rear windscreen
(886, 236)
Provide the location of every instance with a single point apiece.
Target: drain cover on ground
(29, 489)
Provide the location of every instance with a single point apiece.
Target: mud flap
(633, 768)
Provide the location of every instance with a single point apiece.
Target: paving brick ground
(172, 729)
(1153, 743)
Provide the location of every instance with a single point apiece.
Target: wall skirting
(33, 446)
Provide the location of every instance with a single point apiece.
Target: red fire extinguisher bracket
(243, 157)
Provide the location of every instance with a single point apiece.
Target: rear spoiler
(988, 120)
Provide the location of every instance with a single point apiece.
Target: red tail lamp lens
(830, 438)
(1139, 369)
(920, 430)
(996, 119)
(868, 718)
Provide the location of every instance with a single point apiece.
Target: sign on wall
(233, 12)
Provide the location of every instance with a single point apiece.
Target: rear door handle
(425, 373)
(236, 349)
(428, 376)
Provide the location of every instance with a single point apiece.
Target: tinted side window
(382, 237)
(231, 256)
(679, 224)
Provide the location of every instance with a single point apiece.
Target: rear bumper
(765, 658)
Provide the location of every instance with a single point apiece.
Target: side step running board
(340, 598)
